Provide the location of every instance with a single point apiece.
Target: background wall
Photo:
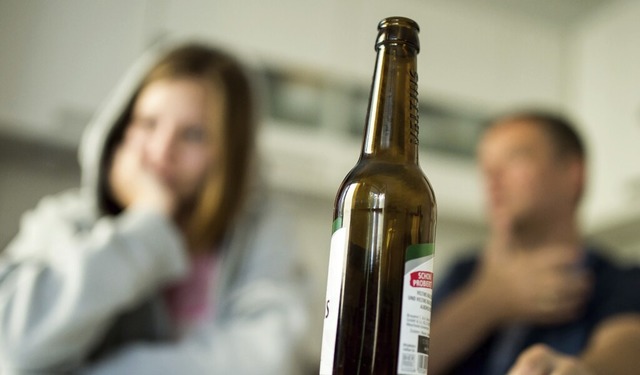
(60, 59)
(604, 83)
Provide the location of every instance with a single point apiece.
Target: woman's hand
(133, 182)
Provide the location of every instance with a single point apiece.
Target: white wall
(605, 96)
(60, 59)
(469, 54)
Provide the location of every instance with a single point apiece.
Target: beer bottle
(378, 304)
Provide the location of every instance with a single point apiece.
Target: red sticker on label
(421, 279)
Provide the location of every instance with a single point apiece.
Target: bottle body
(381, 262)
(383, 210)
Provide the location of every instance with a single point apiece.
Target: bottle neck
(392, 119)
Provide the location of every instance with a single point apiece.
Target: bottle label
(416, 310)
(332, 303)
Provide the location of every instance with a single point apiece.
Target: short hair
(559, 128)
(561, 132)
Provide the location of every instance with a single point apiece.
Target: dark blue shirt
(616, 291)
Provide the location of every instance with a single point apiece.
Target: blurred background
(60, 59)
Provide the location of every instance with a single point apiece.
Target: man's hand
(543, 285)
(542, 360)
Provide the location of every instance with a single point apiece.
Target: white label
(332, 303)
(416, 316)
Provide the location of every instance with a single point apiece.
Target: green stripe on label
(419, 250)
(337, 224)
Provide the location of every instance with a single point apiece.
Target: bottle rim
(393, 30)
(398, 21)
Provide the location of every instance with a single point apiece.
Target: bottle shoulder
(397, 181)
(384, 172)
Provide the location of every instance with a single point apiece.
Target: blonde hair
(217, 204)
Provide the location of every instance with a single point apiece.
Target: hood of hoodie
(93, 143)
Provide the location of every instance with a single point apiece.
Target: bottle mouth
(392, 30)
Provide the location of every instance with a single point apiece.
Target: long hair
(216, 206)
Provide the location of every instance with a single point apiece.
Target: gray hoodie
(80, 291)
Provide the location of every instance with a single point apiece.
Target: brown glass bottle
(380, 273)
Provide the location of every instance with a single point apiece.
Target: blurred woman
(169, 258)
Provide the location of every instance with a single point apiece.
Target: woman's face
(177, 127)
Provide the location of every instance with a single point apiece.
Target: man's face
(523, 176)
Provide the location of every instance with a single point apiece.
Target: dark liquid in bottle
(389, 213)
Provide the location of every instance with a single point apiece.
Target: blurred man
(536, 285)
